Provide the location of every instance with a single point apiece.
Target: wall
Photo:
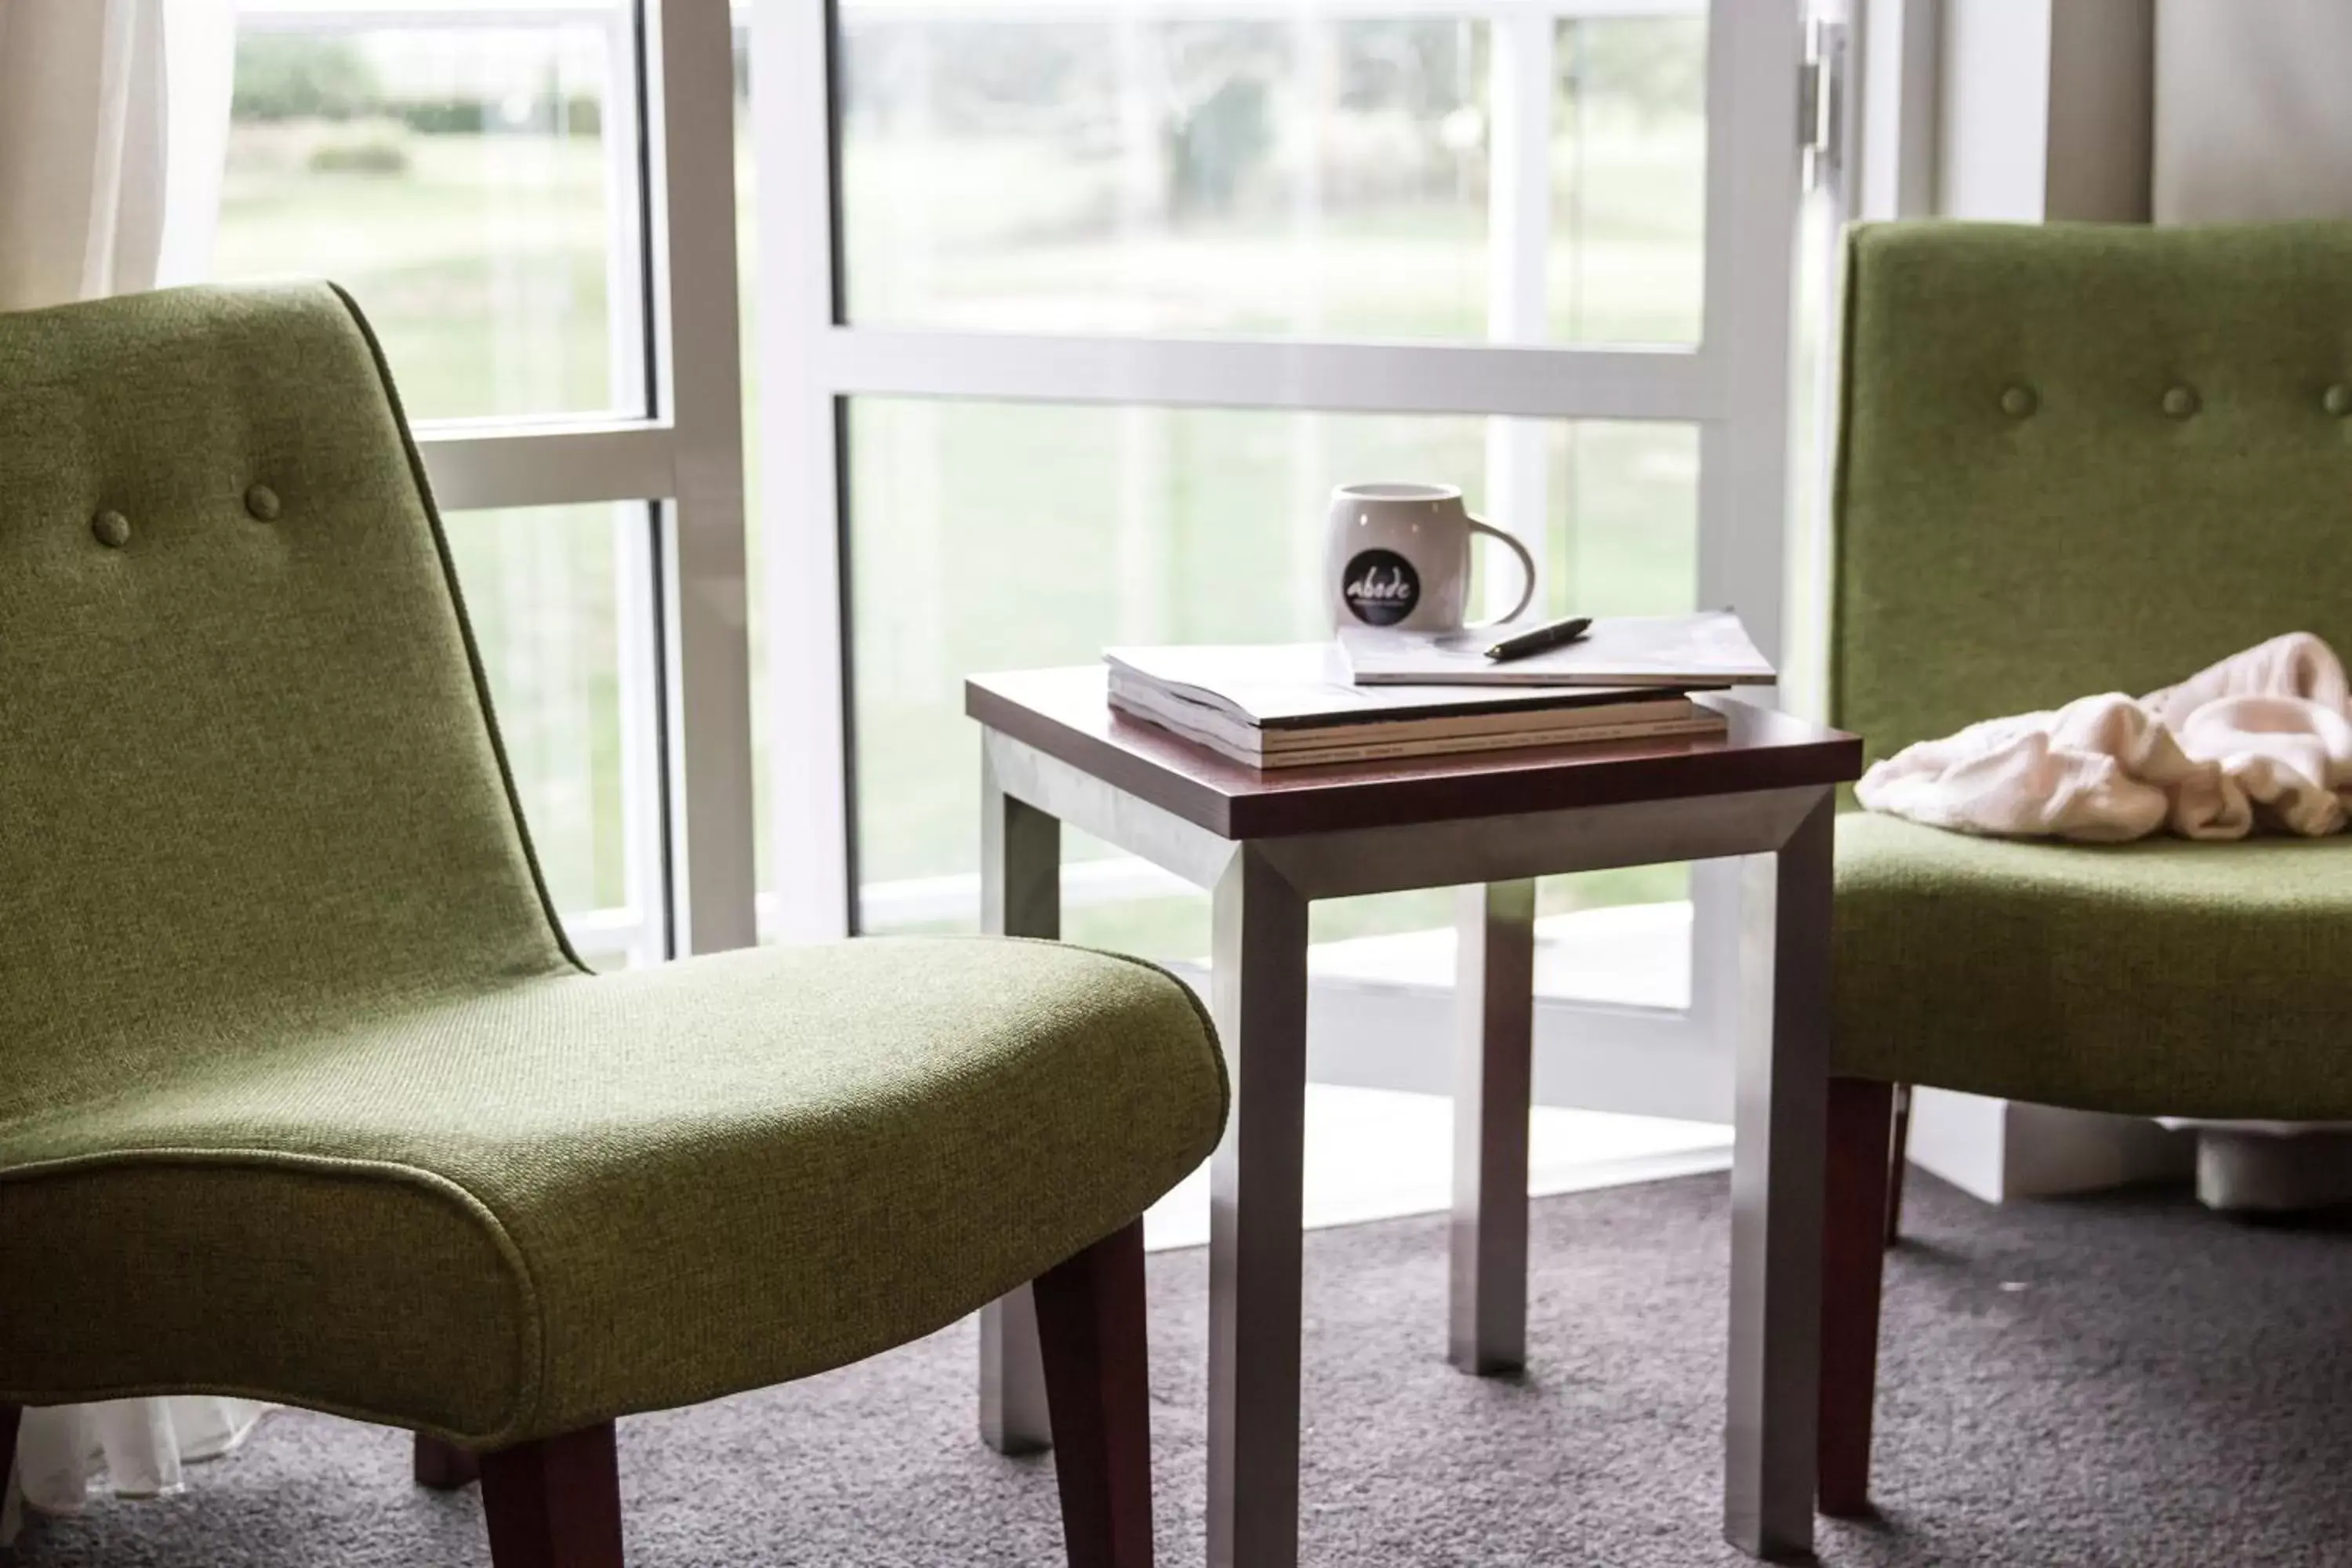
(1993, 128)
(2254, 110)
(2101, 115)
(2045, 109)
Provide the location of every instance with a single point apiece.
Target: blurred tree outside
(1215, 127)
(300, 76)
(292, 77)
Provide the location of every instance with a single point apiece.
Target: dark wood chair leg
(11, 1417)
(1898, 1163)
(445, 1467)
(1090, 1326)
(555, 1503)
(1854, 1252)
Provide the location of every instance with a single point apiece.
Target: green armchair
(303, 1095)
(2074, 458)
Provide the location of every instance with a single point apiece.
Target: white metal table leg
(1493, 1055)
(1259, 987)
(1776, 1177)
(1020, 895)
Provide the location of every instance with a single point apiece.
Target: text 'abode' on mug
(1399, 555)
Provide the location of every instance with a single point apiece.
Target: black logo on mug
(1380, 587)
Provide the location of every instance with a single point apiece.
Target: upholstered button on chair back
(246, 768)
(2084, 459)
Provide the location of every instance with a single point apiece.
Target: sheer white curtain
(113, 120)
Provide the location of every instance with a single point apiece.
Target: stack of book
(1402, 695)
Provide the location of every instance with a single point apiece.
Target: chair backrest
(2083, 458)
(247, 770)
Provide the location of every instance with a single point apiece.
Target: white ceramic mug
(1399, 555)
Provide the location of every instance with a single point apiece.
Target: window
(1291, 169)
(1071, 311)
(533, 204)
(1112, 293)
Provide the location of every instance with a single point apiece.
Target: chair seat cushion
(2159, 977)
(505, 1215)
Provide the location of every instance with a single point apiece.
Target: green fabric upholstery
(2162, 977)
(302, 1094)
(2078, 458)
(1991, 563)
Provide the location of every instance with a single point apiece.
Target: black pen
(1538, 640)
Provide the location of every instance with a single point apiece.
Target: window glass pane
(994, 536)
(550, 591)
(1131, 172)
(1207, 169)
(468, 188)
(1627, 257)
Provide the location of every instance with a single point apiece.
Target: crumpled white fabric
(2261, 742)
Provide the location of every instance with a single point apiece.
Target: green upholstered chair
(2075, 458)
(303, 1095)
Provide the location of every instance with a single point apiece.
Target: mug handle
(1526, 572)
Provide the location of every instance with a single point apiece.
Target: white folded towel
(2261, 741)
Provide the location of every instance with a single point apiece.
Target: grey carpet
(2125, 1380)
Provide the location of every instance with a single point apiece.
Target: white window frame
(1733, 386)
(684, 642)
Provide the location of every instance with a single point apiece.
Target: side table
(1265, 844)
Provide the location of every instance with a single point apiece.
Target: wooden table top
(1063, 713)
